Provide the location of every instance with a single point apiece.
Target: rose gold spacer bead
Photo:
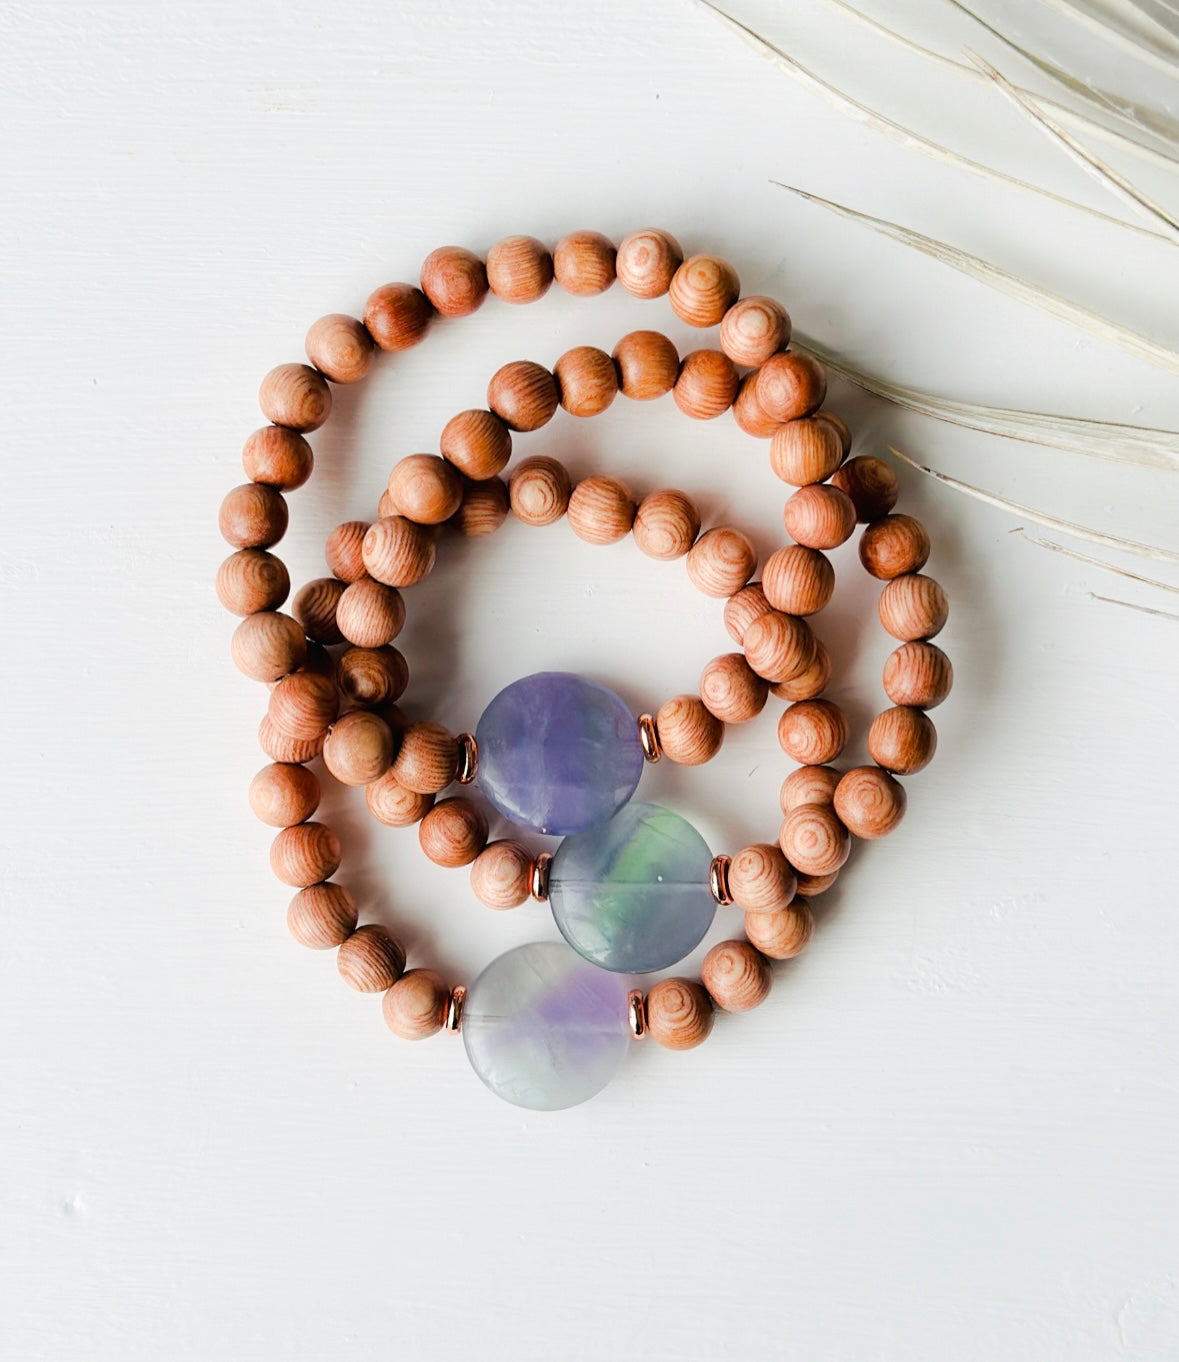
(636, 1014)
(467, 764)
(539, 880)
(649, 738)
(718, 879)
(454, 1009)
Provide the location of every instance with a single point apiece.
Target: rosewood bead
(415, 1007)
(840, 427)
(397, 552)
(454, 280)
(601, 510)
(315, 608)
(647, 364)
(798, 580)
(523, 395)
(918, 674)
(647, 261)
(425, 488)
(689, 733)
(483, 509)
(679, 1014)
(814, 841)
(813, 732)
(370, 961)
(587, 380)
(893, 546)
(747, 411)
(280, 746)
(397, 316)
(252, 580)
(268, 645)
(870, 483)
(358, 748)
(583, 263)
(303, 705)
(782, 935)
(913, 607)
(706, 386)
(805, 451)
(666, 524)
(393, 804)
(902, 740)
(761, 879)
(721, 561)
(501, 875)
(809, 785)
(427, 758)
(343, 551)
(743, 607)
(869, 802)
(519, 269)
(370, 614)
(736, 975)
(454, 832)
(819, 517)
(305, 854)
(340, 347)
(812, 681)
(703, 289)
(295, 395)
(779, 647)
(753, 330)
(284, 794)
(477, 442)
(253, 516)
(732, 690)
(370, 677)
(322, 916)
(790, 385)
(279, 457)
(539, 490)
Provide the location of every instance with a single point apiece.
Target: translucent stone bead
(632, 894)
(558, 753)
(544, 1029)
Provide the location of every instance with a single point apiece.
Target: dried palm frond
(1132, 605)
(1148, 41)
(1098, 562)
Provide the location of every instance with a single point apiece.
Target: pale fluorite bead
(632, 894)
(558, 753)
(544, 1029)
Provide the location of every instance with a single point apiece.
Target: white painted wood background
(952, 1130)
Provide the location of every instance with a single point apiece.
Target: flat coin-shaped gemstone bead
(544, 1029)
(558, 753)
(632, 894)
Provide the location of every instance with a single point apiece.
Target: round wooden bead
(523, 395)
(913, 607)
(425, 488)
(918, 674)
(805, 450)
(736, 975)
(370, 677)
(790, 385)
(397, 552)
(583, 263)
(779, 647)
(647, 261)
(743, 607)
(314, 607)
(703, 289)
(280, 746)
(893, 546)
(344, 550)
(679, 1014)
(415, 1007)
(870, 483)
(501, 875)
(392, 804)
(813, 732)
(340, 347)
(483, 509)
(268, 645)
(427, 758)
(840, 427)
(808, 683)
(706, 386)
(519, 269)
(284, 794)
(305, 854)
(601, 510)
(761, 879)
(295, 395)
(811, 886)
(819, 517)
(648, 365)
(303, 705)
(477, 442)
(253, 516)
(869, 802)
(747, 411)
(319, 660)
(358, 748)
(721, 561)
(689, 733)
(666, 524)
(732, 690)
(587, 379)
(370, 961)
(539, 490)
(782, 935)
(454, 280)
(279, 457)
(813, 840)
(753, 330)
(454, 832)
(398, 316)
(809, 785)
(370, 614)
(251, 580)
(322, 916)
(902, 740)
(798, 580)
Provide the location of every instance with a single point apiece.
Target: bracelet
(633, 887)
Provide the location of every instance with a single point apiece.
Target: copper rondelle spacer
(539, 885)
(718, 878)
(637, 1014)
(454, 1008)
(468, 759)
(649, 738)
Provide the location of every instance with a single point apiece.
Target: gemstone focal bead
(558, 753)
(632, 894)
(543, 1029)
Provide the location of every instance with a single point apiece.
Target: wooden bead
(253, 516)
(303, 705)
(703, 289)
(918, 674)
(427, 758)
(295, 395)
(370, 614)
(747, 411)
(501, 875)
(587, 379)
(805, 450)
(819, 517)
(583, 263)
(814, 841)
(477, 442)
(809, 683)
(523, 395)
(647, 261)
(913, 607)
(370, 961)
(893, 546)
(782, 935)
(779, 647)
(519, 269)
(761, 879)
(809, 785)
(790, 385)
(648, 365)
(743, 607)
(280, 746)
(601, 510)
(706, 386)
(322, 916)
(454, 832)
(689, 733)
(539, 490)
(811, 886)
(679, 1014)
(340, 347)
(753, 330)
(902, 740)
(268, 645)
(398, 316)
(483, 509)
(279, 457)
(732, 690)
(358, 748)
(315, 608)
(305, 854)
(425, 488)
(392, 804)
(798, 580)
(344, 550)
(284, 794)
(454, 280)
(840, 427)
(870, 483)
(736, 975)
(370, 677)
(415, 1007)
(666, 524)
(869, 802)
(813, 732)
(397, 552)
(721, 561)
(251, 580)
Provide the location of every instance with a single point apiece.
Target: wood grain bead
(397, 552)
(809, 785)
(305, 854)
(721, 561)
(706, 386)
(483, 509)
(893, 546)
(295, 395)
(798, 580)
(523, 395)
(454, 832)
(319, 660)
(415, 1007)
(814, 841)
(279, 457)
(344, 550)
(813, 732)
(736, 975)
(732, 690)
(501, 875)
(427, 758)
(392, 804)
(902, 740)
(587, 379)
(601, 510)
(805, 450)
(370, 677)
(303, 705)
(754, 329)
(314, 607)
(703, 289)
(811, 886)
(370, 961)
(425, 488)
(454, 280)
(370, 614)
(519, 269)
(808, 683)
(539, 490)
(679, 1014)
(340, 347)
(918, 674)
(790, 385)
(647, 261)
(647, 364)
(251, 580)
(322, 916)
(871, 484)
(283, 794)
(779, 647)
(397, 316)
(761, 879)
(747, 411)
(583, 263)
(819, 517)
(840, 427)
(268, 645)
(253, 516)
(913, 607)
(280, 746)
(358, 748)
(689, 733)
(666, 524)
(782, 935)
(477, 442)
(743, 607)
(869, 802)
